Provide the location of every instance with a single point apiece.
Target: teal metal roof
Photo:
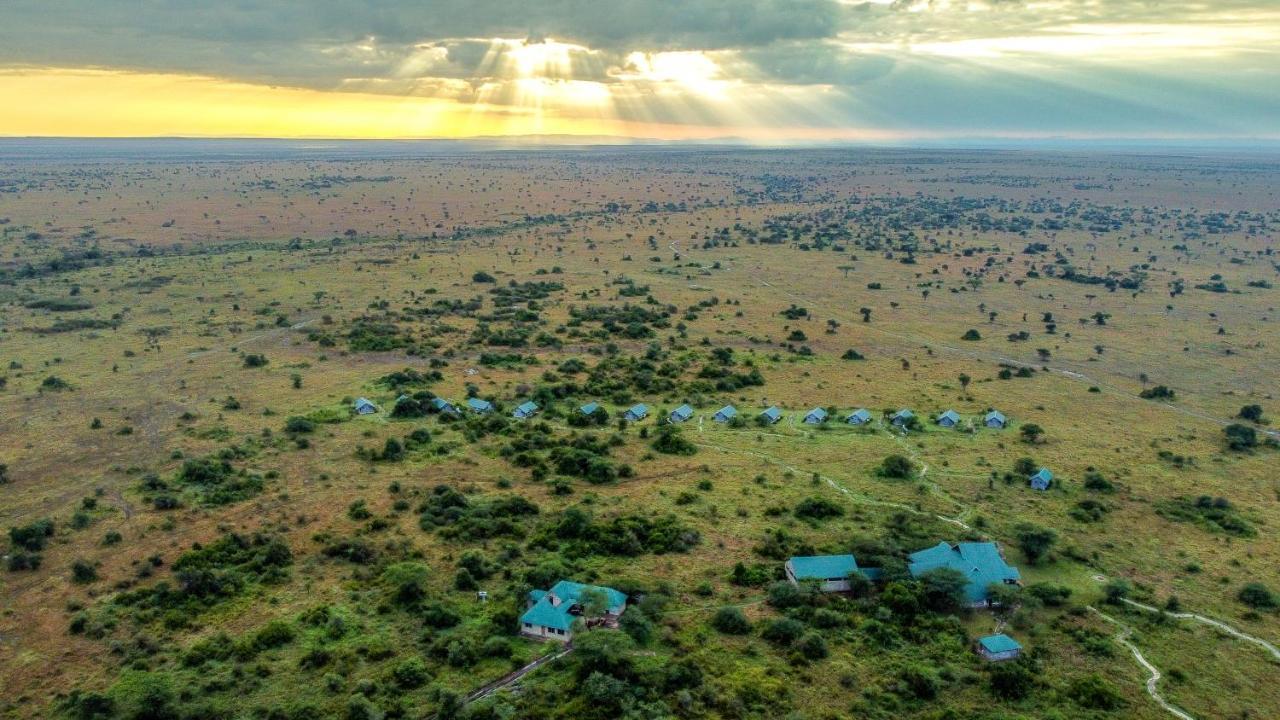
(589, 408)
(999, 643)
(950, 415)
(823, 567)
(479, 405)
(638, 410)
(547, 613)
(727, 412)
(1043, 474)
(997, 416)
(980, 562)
(526, 408)
(817, 414)
(772, 413)
(859, 415)
(684, 412)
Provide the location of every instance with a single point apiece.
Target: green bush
(897, 467)
(731, 621)
(1258, 596)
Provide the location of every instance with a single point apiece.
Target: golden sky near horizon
(762, 70)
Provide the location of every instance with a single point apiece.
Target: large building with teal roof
(980, 562)
(551, 613)
(830, 572)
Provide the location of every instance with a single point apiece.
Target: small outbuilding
(902, 418)
(995, 419)
(589, 408)
(861, 416)
(816, 416)
(680, 414)
(526, 409)
(636, 412)
(998, 648)
(1042, 479)
(363, 406)
(771, 415)
(949, 418)
(725, 414)
(831, 572)
(479, 406)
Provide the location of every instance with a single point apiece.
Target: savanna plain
(200, 522)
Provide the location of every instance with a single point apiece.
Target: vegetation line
(1122, 637)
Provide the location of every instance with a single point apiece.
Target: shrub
(897, 467)
(1258, 596)
(815, 508)
(1093, 480)
(1115, 591)
(255, 360)
(971, 335)
(783, 595)
(1034, 541)
(53, 382)
(83, 572)
(812, 646)
(1252, 413)
(1159, 392)
(410, 673)
(33, 536)
(670, 441)
(1012, 680)
(272, 635)
(731, 621)
(919, 682)
(22, 560)
(783, 631)
(1240, 437)
(1094, 693)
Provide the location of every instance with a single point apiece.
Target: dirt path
(835, 485)
(1122, 637)
(1275, 652)
(513, 677)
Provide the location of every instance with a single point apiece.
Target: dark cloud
(790, 61)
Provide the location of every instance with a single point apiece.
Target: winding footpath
(1122, 637)
(1218, 624)
(856, 497)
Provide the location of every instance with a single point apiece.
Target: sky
(757, 70)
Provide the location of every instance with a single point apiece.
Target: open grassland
(184, 341)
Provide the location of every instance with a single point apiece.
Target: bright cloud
(754, 68)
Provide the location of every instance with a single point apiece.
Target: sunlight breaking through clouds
(904, 67)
